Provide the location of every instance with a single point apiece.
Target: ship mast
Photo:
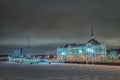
(29, 49)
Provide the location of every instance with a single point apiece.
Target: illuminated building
(113, 54)
(3, 58)
(90, 51)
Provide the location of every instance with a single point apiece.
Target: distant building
(90, 51)
(113, 54)
(3, 58)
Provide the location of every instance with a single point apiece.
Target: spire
(92, 34)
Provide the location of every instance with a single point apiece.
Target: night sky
(51, 23)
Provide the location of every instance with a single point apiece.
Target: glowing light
(48, 56)
(89, 50)
(63, 53)
(80, 51)
(9, 57)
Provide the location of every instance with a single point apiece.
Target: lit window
(80, 51)
(89, 50)
(63, 53)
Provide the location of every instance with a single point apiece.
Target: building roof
(72, 45)
(94, 42)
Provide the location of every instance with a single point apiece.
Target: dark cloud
(52, 22)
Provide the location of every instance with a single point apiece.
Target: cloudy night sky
(51, 23)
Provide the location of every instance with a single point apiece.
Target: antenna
(92, 34)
